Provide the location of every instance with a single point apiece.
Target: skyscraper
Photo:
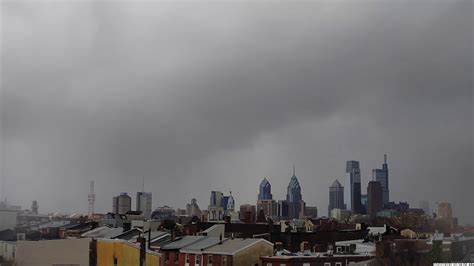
(265, 200)
(381, 175)
(295, 201)
(216, 206)
(352, 185)
(144, 200)
(336, 197)
(265, 190)
(374, 198)
(122, 203)
(192, 209)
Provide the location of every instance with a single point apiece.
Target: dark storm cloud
(208, 95)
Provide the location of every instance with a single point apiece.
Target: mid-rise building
(248, 213)
(374, 198)
(144, 201)
(381, 175)
(340, 214)
(122, 203)
(352, 192)
(312, 212)
(268, 206)
(336, 197)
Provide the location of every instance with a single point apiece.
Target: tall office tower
(34, 207)
(265, 190)
(374, 198)
(336, 197)
(144, 200)
(381, 175)
(443, 210)
(425, 206)
(293, 197)
(122, 203)
(230, 204)
(352, 185)
(282, 209)
(216, 199)
(217, 206)
(192, 209)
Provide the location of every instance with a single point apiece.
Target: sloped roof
(182, 242)
(232, 246)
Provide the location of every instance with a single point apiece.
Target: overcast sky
(203, 96)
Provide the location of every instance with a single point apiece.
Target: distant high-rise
(352, 184)
(265, 190)
(91, 199)
(193, 209)
(296, 205)
(122, 203)
(144, 200)
(381, 175)
(34, 207)
(425, 206)
(374, 198)
(217, 206)
(336, 197)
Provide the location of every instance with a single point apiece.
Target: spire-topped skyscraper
(294, 198)
(381, 175)
(265, 190)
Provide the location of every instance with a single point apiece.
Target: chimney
(279, 246)
(304, 246)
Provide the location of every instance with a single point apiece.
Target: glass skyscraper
(336, 197)
(265, 190)
(381, 176)
(352, 194)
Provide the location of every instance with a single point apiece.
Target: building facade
(381, 175)
(336, 197)
(374, 198)
(144, 201)
(265, 190)
(352, 193)
(296, 205)
(122, 203)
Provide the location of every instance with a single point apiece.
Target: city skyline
(119, 93)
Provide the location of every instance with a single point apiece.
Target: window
(115, 261)
(224, 260)
(187, 258)
(167, 256)
(306, 264)
(338, 263)
(327, 264)
(209, 259)
(196, 257)
(176, 257)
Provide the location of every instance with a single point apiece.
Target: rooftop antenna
(91, 200)
(143, 184)
(294, 170)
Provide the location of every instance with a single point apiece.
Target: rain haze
(210, 95)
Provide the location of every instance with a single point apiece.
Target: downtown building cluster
(359, 229)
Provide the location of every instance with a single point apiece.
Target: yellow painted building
(121, 253)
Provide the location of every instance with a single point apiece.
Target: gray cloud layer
(209, 95)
